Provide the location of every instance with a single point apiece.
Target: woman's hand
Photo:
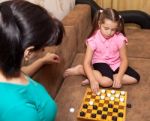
(50, 58)
(94, 86)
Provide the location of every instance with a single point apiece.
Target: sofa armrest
(76, 24)
(80, 18)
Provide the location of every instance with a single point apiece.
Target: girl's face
(108, 28)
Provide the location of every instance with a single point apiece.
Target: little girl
(105, 61)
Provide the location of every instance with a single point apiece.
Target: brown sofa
(69, 93)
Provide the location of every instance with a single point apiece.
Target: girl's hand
(94, 86)
(117, 83)
(50, 58)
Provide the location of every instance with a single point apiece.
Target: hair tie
(100, 10)
(120, 16)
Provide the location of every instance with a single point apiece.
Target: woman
(25, 29)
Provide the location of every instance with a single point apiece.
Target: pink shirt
(106, 50)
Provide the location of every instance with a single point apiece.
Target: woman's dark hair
(23, 24)
(110, 14)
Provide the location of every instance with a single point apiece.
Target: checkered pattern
(108, 105)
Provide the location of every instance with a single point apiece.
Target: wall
(126, 4)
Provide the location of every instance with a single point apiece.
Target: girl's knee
(136, 81)
(136, 77)
(106, 83)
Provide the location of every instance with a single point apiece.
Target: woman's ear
(28, 53)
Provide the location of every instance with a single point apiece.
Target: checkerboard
(106, 105)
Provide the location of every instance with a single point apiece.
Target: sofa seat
(68, 93)
(71, 92)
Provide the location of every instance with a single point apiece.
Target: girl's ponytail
(121, 25)
(95, 22)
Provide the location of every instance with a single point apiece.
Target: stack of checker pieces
(106, 105)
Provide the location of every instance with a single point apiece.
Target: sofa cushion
(68, 48)
(139, 43)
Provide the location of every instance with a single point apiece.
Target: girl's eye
(106, 28)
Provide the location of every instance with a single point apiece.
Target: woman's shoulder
(34, 83)
(36, 86)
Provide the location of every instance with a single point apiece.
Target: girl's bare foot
(77, 70)
(85, 82)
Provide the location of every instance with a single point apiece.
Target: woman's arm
(89, 71)
(49, 58)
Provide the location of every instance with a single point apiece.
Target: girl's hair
(23, 24)
(110, 14)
